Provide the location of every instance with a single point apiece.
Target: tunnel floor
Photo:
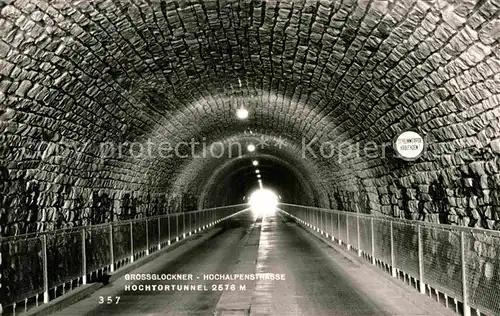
(319, 279)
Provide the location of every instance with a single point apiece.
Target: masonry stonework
(75, 74)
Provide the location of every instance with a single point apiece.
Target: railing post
(147, 236)
(359, 239)
(393, 269)
(373, 240)
(111, 250)
(338, 228)
(323, 221)
(326, 225)
(195, 214)
(203, 219)
(331, 220)
(45, 270)
(464, 275)
(347, 231)
(159, 233)
(84, 258)
(131, 243)
(313, 215)
(177, 226)
(320, 224)
(190, 224)
(316, 220)
(420, 259)
(183, 225)
(169, 230)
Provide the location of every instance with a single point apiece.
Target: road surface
(318, 280)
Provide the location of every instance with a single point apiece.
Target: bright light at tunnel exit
(263, 202)
(242, 114)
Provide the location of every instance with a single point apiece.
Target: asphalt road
(312, 285)
(218, 255)
(319, 280)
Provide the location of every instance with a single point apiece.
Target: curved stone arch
(193, 168)
(219, 171)
(355, 71)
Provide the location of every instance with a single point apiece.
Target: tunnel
(121, 111)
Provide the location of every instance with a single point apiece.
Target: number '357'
(109, 299)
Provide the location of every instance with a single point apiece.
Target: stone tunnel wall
(466, 193)
(32, 205)
(373, 68)
(447, 86)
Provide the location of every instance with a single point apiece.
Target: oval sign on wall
(409, 145)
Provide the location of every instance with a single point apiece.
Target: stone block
(495, 146)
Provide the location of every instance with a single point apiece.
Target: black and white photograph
(250, 157)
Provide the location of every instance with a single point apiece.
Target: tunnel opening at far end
(263, 202)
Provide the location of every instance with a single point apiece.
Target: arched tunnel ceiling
(294, 181)
(206, 169)
(342, 76)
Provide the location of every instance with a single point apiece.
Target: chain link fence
(34, 264)
(140, 237)
(97, 247)
(406, 248)
(460, 262)
(382, 239)
(22, 268)
(164, 229)
(329, 223)
(482, 257)
(174, 225)
(335, 225)
(442, 260)
(365, 234)
(64, 256)
(122, 244)
(352, 229)
(342, 227)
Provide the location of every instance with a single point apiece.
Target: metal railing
(36, 268)
(458, 265)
